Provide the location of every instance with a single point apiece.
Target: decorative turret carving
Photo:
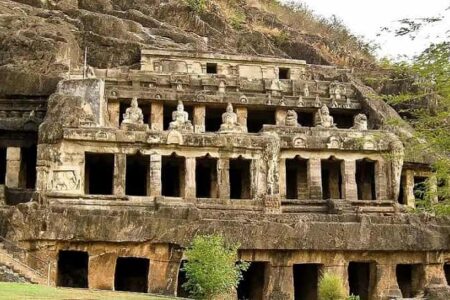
(180, 119)
(337, 91)
(323, 118)
(230, 122)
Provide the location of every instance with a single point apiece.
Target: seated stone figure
(360, 122)
(229, 121)
(291, 119)
(180, 119)
(323, 118)
(133, 118)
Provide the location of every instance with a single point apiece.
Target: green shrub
(353, 297)
(331, 287)
(211, 268)
(198, 6)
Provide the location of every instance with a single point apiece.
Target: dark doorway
(73, 269)
(28, 167)
(296, 178)
(172, 175)
(409, 279)
(447, 272)
(137, 175)
(252, 285)
(305, 119)
(306, 280)
(146, 109)
(182, 279)
(206, 177)
(331, 179)
(365, 179)
(2, 165)
(169, 108)
(240, 186)
(213, 118)
(284, 73)
(359, 279)
(420, 187)
(99, 173)
(257, 118)
(343, 120)
(401, 196)
(131, 274)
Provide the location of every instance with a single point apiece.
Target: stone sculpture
(180, 119)
(360, 122)
(291, 119)
(323, 118)
(230, 122)
(133, 118)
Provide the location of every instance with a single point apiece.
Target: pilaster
(350, 186)
(190, 185)
(315, 178)
(199, 118)
(154, 177)
(223, 174)
(120, 171)
(13, 158)
(157, 116)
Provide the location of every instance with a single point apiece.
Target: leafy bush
(331, 287)
(211, 268)
(198, 6)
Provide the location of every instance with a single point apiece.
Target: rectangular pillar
(223, 174)
(434, 274)
(114, 114)
(408, 188)
(282, 182)
(190, 186)
(157, 116)
(120, 171)
(154, 178)
(241, 113)
(199, 118)
(13, 159)
(302, 184)
(280, 284)
(350, 187)
(315, 178)
(341, 270)
(386, 286)
(280, 116)
(381, 182)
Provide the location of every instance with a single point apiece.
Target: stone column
(280, 116)
(101, 271)
(282, 181)
(154, 178)
(114, 114)
(157, 116)
(280, 284)
(408, 188)
(350, 186)
(381, 181)
(241, 113)
(223, 176)
(190, 186)
(13, 158)
(199, 118)
(315, 178)
(164, 268)
(341, 270)
(386, 286)
(120, 171)
(434, 274)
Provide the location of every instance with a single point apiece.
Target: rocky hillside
(42, 39)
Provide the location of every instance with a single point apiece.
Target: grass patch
(13, 291)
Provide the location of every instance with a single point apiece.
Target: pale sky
(367, 17)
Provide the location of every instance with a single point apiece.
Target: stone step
(303, 209)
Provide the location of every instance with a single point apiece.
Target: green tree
(331, 287)
(211, 268)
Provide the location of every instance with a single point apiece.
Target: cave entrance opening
(132, 274)
(72, 270)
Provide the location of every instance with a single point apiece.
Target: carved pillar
(282, 180)
(190, 187)
(315, 178)
(199, 118)
(408, 188)
(386, 286)
(157, 116)
(114, 114)
(13, 158)
(350, 187)
(280, 116)
(381, 183)
(120, 171)
(241, 113)
(280, 284)
(155, 175)
(223, 174)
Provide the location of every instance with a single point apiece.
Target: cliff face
(42, 39)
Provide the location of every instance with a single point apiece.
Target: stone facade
(284, 159)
